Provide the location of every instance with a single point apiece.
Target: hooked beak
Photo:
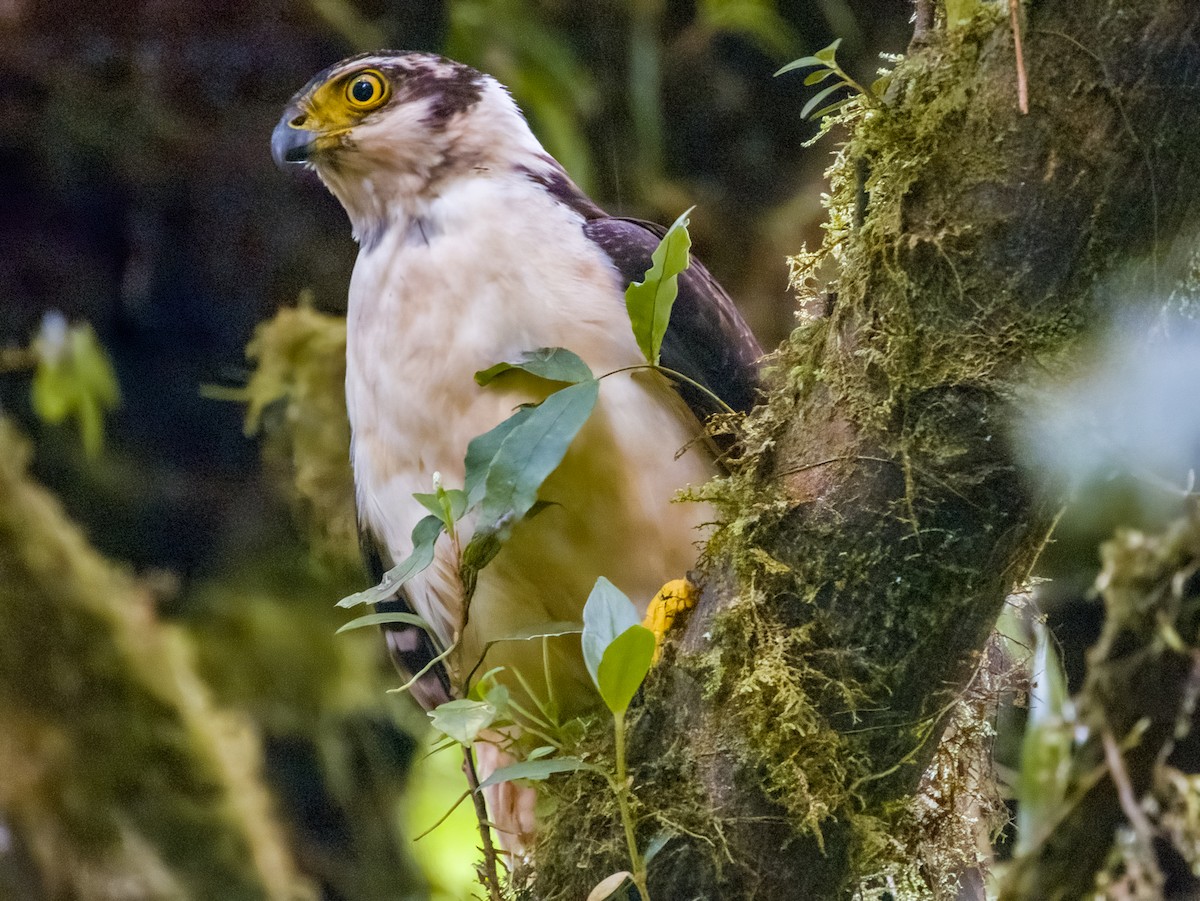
(290, 143)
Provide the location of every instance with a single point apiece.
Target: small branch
(922, 21)
(425, 669)
(1126, 795)
(844, 458)
(491, 868)
(1014, 8)
(444, 816)
(673, 374)
(16, 359)
(621, 789)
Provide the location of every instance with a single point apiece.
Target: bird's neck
(381, 201)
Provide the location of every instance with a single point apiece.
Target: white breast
(496, 267)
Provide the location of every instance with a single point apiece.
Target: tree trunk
(878, 518)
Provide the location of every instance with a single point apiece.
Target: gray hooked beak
(289, 142)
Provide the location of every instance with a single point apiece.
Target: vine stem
(621, 789)
(425, 669)
(491, 869)
(1022, 78)
(16, 359)
(674, 374)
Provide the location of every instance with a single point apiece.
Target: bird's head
(387, 131)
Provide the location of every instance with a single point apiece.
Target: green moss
(297, 397)
(582, 841)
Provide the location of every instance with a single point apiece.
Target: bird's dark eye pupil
(363, 90)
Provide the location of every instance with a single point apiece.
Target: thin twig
(1014, 8)
(15, 359)
(845, 458)
(671, 373)
(491, 869)
(444, 816)
(1142, 827)
(423, 670)
(1129, 802)
(620, 787)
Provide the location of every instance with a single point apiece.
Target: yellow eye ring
(366, 90)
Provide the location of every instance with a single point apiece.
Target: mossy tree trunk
(879, 519)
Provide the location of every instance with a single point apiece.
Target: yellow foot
(672, 599)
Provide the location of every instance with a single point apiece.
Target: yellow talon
(674, 598)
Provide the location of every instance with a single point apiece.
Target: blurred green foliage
(73, 379)
(295, 399)
(509, 39)
(117, 765)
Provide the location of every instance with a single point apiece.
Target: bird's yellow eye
(366, 90)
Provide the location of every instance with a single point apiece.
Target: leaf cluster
(73, 379)
(825, 66)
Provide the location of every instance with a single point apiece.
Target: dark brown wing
(707, 340)
(411, 647)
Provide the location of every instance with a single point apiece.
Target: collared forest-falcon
(474, 247)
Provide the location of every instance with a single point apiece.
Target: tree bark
(878, 518)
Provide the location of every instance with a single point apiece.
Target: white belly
(491, 283)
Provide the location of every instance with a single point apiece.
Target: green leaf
(540, 507)
(880, 85)
(535, 770)
(95, 372)
(1046, 749)
(541, 630)
(624, 666)
(497, 694)
(607, 614)
(555, 364)
(91, 425)
(51, 393)
(649, 301)
(73, 378)
(484, 684)
(616, 887)
(816, 99)
(817, 77)
(803, 62)
(463, 720)
(381, 619)
(482, 450)
(424, 537)
(447, 504)
(539, 753)
(528, 454)
(828, 55)
(657, 844)
(438, 746)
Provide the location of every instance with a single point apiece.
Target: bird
(475, 246)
